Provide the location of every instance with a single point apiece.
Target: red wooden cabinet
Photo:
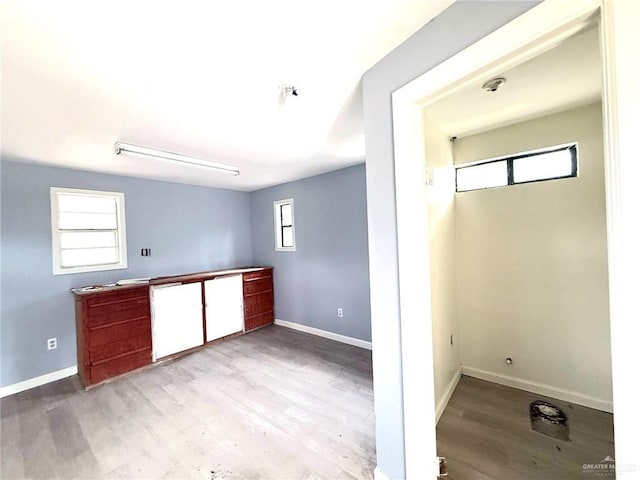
(113, 324)
(113, 332)
(258, 298)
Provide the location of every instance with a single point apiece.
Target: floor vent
(549, 420)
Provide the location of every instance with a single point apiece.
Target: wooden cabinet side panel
(81, 341)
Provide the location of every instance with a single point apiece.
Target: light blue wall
(456, 28)
(329, 268)
(188, 229)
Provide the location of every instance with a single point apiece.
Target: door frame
(525, 37)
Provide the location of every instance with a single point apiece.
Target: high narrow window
(549, 164)
(87, 230)
(483, 175)
(284, 225)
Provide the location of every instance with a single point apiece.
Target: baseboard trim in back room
(446, 396)
(356, 342)
(37, 381)
(540, 389)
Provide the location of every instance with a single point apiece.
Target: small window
(544, 166)
(87, 230)
(484, 175)
(549, 164)
(284, 225)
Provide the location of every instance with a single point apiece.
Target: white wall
(440, 198)
(532, 264)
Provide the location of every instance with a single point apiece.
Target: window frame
(278, 226)
(55, 231)
(509, 159)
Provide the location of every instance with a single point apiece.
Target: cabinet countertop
(190, 277)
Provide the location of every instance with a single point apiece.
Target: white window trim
(276, 225)
(55, 238)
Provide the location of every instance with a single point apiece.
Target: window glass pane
(87, 221)
(86, 203)
(287, 236)
(88, 239)
(88, 256)
(482, 176)
(539, 167)
(285, 212)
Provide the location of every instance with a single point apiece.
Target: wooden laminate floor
(485, 433)
(272, 404)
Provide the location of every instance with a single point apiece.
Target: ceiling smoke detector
(493, 84)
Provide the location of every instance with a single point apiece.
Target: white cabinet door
(176, 318)
(224, 306)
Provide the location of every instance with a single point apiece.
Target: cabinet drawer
(105, 298)
(255, 275)
(119, 347)
(264, 297)
(258, 285)
(258, 309)
(116, 366)
(119, 331)
(259, 303)
(118, 312)
(256, 321)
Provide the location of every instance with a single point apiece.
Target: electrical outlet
(52, 343)
(340, 313)
(145, 252)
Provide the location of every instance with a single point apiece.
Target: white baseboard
(356, 342)
(37, 381)
(378, 474)
(541, 389)
(442, 403)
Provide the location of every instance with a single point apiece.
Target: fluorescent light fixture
(121, 147)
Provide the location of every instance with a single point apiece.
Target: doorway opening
(548, 24)
(518, 250)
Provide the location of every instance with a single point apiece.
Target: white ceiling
(564, 77)
(197, 78)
